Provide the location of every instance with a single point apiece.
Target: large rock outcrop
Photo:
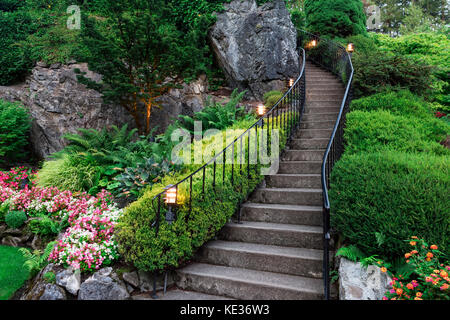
(59, 104)
(256, 46)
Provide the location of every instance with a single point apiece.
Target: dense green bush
(380, 199)
(15, 123)
(379, 70)
(15, 219)
(401, 102)
(375, 130)
(272, 97)
(335, 17)
(45, 226)
(177, 242)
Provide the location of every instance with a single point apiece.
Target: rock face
(256, 46)
(70, 279)
(103, 285)
(358, 283)
(59, 104)
(53, 292)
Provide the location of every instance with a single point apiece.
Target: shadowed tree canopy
(338, 18)
(141, 53)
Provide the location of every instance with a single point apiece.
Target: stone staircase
(276, 252)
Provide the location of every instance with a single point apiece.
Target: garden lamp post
(261, 110)
(350, 48)
(171, 201)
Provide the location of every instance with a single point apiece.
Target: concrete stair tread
(260, 278)
(276, 227)
(292, 207)
(298, 175)
(301, 253)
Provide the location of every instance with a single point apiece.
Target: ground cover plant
(12, 272)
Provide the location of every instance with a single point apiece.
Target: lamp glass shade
(171, 196)
(261, 110)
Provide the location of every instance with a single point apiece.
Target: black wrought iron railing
(236, 165)
(336, 59)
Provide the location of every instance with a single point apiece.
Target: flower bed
(88, 242)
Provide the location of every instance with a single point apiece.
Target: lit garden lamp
(313, 43)
(261, 111)
(171, 201)
(350, 48)
(291, 83)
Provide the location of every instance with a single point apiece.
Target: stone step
(286, 260)
(319, 78)
(286, 235)
(314, 90)
(177, 294)
(313, 133)
(303, 155)
(323, 104)
(314, 83)
(289, 180)
(320, 116)
(317, 124)
(300, 167)
(308, 144)
(297, 196)
(247, 284)
(320, 110)
(324, 97)
(278, 213)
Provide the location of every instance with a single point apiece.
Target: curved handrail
(335, 145)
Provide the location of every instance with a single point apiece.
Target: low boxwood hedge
(375, 130)
(380, 199)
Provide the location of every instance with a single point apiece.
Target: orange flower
(428, 259)
(383, 269)
(414, 237)
(419, 294)
(444, 286)
(407, 255)
(413, 243)
(407, 261)
(410, 286)
(416, 298)
(433, 247)
(414, 251)
(399, 291)
(429, 255)
(443, 274)
(436, 271)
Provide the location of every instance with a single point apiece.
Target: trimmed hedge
(380, 199)
(376, 130)
(176, 243)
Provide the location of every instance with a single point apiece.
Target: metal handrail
(339, 63)
(286, 115)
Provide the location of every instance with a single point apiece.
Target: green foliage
(402, 103)
(377, 130)
(15, 219)
(393, 194)
(12, 273)
(4, 209)
(216, 115)
(50, 277)
(15, 124)
(36, 260)
(44, 226)
(67, 173)
(378, 70)
(133, 180)
(350, 252)
(272, 97)
(335, 17)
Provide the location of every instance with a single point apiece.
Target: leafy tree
(141, 53)
(335, 17)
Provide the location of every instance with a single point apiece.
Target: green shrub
(401, 102)
(4, 209)
(67, 173)
(15, 219)
(50, 277)
(15, 124)
(177, 242)
(378, 70)
(335, 17)
(376, 130)
(272, 97)
(380, 199)
(44, 226)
